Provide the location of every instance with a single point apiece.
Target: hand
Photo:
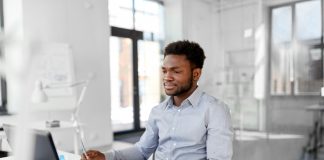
(93, 155)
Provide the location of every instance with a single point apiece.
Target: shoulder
(217, 113)
(213, 103)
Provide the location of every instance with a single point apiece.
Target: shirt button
(179, 110)
(173, 128)
(174, 144)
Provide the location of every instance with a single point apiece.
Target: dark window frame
(135, 36)
(3, 84)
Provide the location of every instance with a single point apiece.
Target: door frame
(135, 36)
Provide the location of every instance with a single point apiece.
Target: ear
(196, 73)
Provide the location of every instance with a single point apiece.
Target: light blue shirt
(199, 129)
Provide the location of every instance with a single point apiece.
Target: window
(297, 48)
(135, 14)
(3, 89)
(135, 56)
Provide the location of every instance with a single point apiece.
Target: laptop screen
(43, 146)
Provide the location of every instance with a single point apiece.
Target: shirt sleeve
(143, 148)
(150, 138)
(131, 153)
(219, 133)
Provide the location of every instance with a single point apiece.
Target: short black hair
(192, 50)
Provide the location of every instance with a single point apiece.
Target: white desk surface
(12, 119)
(67, 156)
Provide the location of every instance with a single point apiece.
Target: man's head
(191, 50)
(183, 61)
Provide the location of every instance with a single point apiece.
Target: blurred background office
(264, 59)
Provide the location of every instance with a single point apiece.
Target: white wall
(173, 20)
(83, 25)
(192, 20)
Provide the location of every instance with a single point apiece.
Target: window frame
(135, 35)
(3, 84)
(311, 44)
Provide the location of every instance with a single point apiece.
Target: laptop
(42, 149)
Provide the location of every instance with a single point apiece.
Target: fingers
(92, 155)
(85, 157)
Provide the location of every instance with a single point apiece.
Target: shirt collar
(193, 99)
(168, 102)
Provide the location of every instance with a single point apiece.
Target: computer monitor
(43, 147)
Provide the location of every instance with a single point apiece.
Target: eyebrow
(173, 68)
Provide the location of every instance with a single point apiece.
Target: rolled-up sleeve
(219, 133)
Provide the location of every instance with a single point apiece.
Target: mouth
(169, 86)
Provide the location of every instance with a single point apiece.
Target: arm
(131, 153)
(142, 149)
(219, 133)
(150, 138)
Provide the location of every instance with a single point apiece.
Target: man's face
(177, 75)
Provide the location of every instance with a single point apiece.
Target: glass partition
(308, 57)
(149, 75)
(121, 13)
(296, 48)
(121, 83)
(281, 40)
(308, 28)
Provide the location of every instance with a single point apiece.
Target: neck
(177, 100)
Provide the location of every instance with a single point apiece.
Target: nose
(167, 76)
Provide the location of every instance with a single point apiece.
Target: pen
(83, 149)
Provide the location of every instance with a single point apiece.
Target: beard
(183, 88)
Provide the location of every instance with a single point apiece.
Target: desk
(6, 119)
(2, 136)
(64, 126)
(67, 156)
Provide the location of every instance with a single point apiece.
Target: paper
(56, 67)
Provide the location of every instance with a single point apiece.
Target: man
(189, 125)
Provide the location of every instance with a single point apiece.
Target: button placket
(174, 123)
(173, 128)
